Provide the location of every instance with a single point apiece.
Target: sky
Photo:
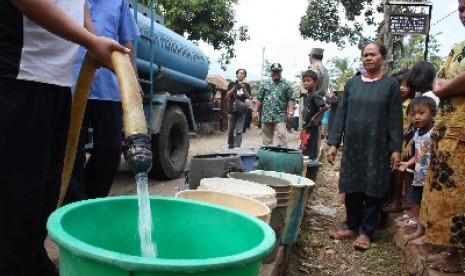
(274, 26)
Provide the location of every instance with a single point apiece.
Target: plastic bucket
(248, 162)
(280, 160)
(247, 156)
(260, 192)
(301, 188)
(279, 185)
(312, 170)
(211, 165)
(99, 237)
(247, 205)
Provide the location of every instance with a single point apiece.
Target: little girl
(424, 109)
(394, 205)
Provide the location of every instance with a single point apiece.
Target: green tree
(212, 21)
(340, 71)
(323, 21)
(343, 21)
(411, 50)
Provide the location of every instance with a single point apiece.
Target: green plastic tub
(280, 160)
(100, 237)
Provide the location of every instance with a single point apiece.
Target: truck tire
(171, 145)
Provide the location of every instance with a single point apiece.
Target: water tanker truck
(172, 72)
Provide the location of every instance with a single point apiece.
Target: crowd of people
(403, 137)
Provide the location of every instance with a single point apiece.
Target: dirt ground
(314, 253)
(317, 254)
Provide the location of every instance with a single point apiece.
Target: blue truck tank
(179, 66)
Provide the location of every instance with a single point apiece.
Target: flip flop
(403, 217)
(362, 243)
(341, 234)
(409, 223)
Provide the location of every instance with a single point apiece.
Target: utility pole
(263, 65)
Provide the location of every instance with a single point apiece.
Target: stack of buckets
(300, 191)
(262, 193)
(278, 214)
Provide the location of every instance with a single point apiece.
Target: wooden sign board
(408, 23)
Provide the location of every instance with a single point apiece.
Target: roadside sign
(408, 23)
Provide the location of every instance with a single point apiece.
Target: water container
(283, 191)
(245, 188)
(170, 50)
(313, 168)
(247, 205)
(280, 160)
(100, 237)
(248, 157)
(210, 165)
(301, 188)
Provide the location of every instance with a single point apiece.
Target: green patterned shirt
(274, 98)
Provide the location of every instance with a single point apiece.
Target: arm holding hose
(48, 15)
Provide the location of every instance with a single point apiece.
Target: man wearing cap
(316, 64)
(276, 97)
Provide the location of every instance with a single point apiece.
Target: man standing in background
(276, 98)
(316, 64)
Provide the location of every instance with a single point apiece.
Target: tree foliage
(340, 71)
(343, 21)
(411, 49)
(323, 21)
(212, 21)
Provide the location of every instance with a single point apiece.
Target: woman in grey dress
(369, 117)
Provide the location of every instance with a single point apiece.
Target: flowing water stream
(148, 247)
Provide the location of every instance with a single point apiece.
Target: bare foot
(434, 257)
(362, 242)
(450, 262)
(344, 234)
(418, 241)
(417, 234)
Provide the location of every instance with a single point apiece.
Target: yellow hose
(133, 113)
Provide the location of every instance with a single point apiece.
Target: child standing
(424, 109)
(315, 106)
(398, 178)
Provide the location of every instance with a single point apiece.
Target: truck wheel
(170, 147)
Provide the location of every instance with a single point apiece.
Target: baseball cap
(276, 67)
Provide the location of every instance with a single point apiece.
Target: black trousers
(312, 146)
(363, 212)
(94, 178)
(34, 121)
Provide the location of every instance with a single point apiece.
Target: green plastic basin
(100, 237)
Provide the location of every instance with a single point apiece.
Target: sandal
(342, 234)
(409, 223)
(362, 242)
(403, 217)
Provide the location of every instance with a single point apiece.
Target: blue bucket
(248, 157)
